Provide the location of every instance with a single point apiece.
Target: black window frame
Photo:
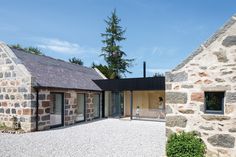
(62, 110)
(222, 103)
(84, 94)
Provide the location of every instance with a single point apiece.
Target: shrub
(185, 145)
(2, 126)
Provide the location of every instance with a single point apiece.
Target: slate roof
(214, 37)
(50, 72)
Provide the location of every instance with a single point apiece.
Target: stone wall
(18, 98)
(43, 109)
(15, 91)
(70, 106)
(211, 68)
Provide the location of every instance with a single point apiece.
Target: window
(214, 102)
(56, 109)
(96, 101)
(80, 109)
(55, 103)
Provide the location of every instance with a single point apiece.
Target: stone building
(39, 92)
(201, 93)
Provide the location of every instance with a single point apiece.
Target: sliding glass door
(80, 110)
(117, 104)
(56, 109)
(96, 101)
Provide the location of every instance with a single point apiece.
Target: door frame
(99, 105)
(62, 111)
(84, 107)
(116, 96)
(103, 104)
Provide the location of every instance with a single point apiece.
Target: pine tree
(112, 52)
(108, 73)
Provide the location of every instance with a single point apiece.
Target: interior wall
(144, 99)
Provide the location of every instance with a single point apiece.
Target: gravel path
(103, 138)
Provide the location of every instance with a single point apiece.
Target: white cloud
(162, 51)
(157, 50)
(66, 47)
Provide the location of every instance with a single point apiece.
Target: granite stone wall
(70, 106)
(43, 109)
(211, 68)
(16, 99)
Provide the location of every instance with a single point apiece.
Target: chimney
(144, 69)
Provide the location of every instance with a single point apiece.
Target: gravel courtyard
(108, 137)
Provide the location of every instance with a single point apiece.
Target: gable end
(207, 43)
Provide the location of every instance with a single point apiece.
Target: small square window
(214, 102)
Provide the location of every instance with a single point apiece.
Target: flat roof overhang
(132, 84)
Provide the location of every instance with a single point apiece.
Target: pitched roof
(50, 72)
(208, 42)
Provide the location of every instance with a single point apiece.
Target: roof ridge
(50, 72)
(57, 59)
(208, 42)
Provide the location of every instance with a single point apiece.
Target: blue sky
(160, 32)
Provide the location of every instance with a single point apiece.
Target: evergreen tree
(108, 73)
(158, 75)
(112, 52)
(76, 61)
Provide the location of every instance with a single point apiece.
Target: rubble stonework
(185, 94)
(70, 106)
(15, 92)
(18, 97)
